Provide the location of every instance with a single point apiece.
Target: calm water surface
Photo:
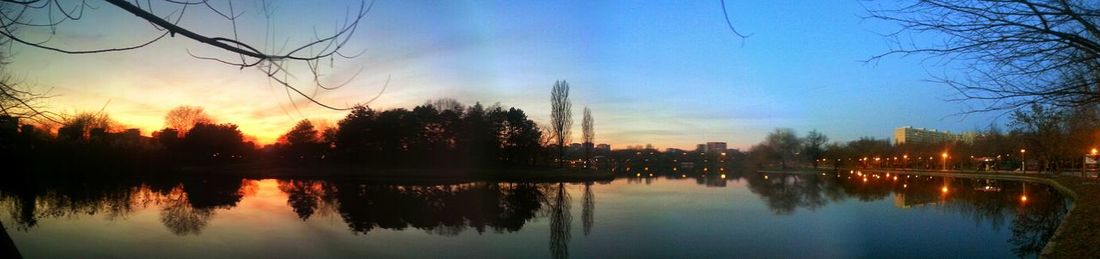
(680, 216)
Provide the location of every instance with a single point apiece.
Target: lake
(830, 215)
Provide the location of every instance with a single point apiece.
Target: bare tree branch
(726, 15)
(272, 62)
(1013, 53)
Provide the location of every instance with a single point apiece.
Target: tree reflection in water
(307, 197)
(190, 205)
(27, 203)
(437, 209)
(181, 217)
(588, 209)
(1034, 219)
(1035, 223)
(185, 207)
(560, 221)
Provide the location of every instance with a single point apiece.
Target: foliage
(785, 143)
(79, 127)
(453, 137)
(214, 143)
(478, 136)
(812, 146)
(1055, 140)
(302, 143)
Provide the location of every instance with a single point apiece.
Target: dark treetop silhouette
(561, 118)
(437, 135)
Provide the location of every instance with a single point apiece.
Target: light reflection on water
(675, 215)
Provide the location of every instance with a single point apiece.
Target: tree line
(1044, 138)
(441, 133)
(96, 141)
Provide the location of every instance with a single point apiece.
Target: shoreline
(407, 175)
(1072, 238)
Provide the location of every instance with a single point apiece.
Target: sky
(666, 73)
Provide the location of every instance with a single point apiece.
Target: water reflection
(589, 209)
(1035, 210)
(560, 219)
(439, 209)
(185, 208)
(308, 197)
(181, 216)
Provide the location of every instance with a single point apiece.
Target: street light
(1023, 161)
(944, 155)
(1085, 161)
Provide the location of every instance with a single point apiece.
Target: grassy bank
(1079, 233)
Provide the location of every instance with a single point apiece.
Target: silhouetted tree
(183, 118)
(1081, 124)
(785, 143)
(435, 139)
(521, 138)
(217, 143)
(79, 127)
(589, 135)
(836, 153)
(762, 155)
(1042, 130)
(478, 136)
(561, 118)
(812, 146)
(303, 142)
(445, 104)
(353, 137)
(168, 138)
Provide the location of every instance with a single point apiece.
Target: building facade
(603, 147)
(716, 147)
(911, 135)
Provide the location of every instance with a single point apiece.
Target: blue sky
(668, 73)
